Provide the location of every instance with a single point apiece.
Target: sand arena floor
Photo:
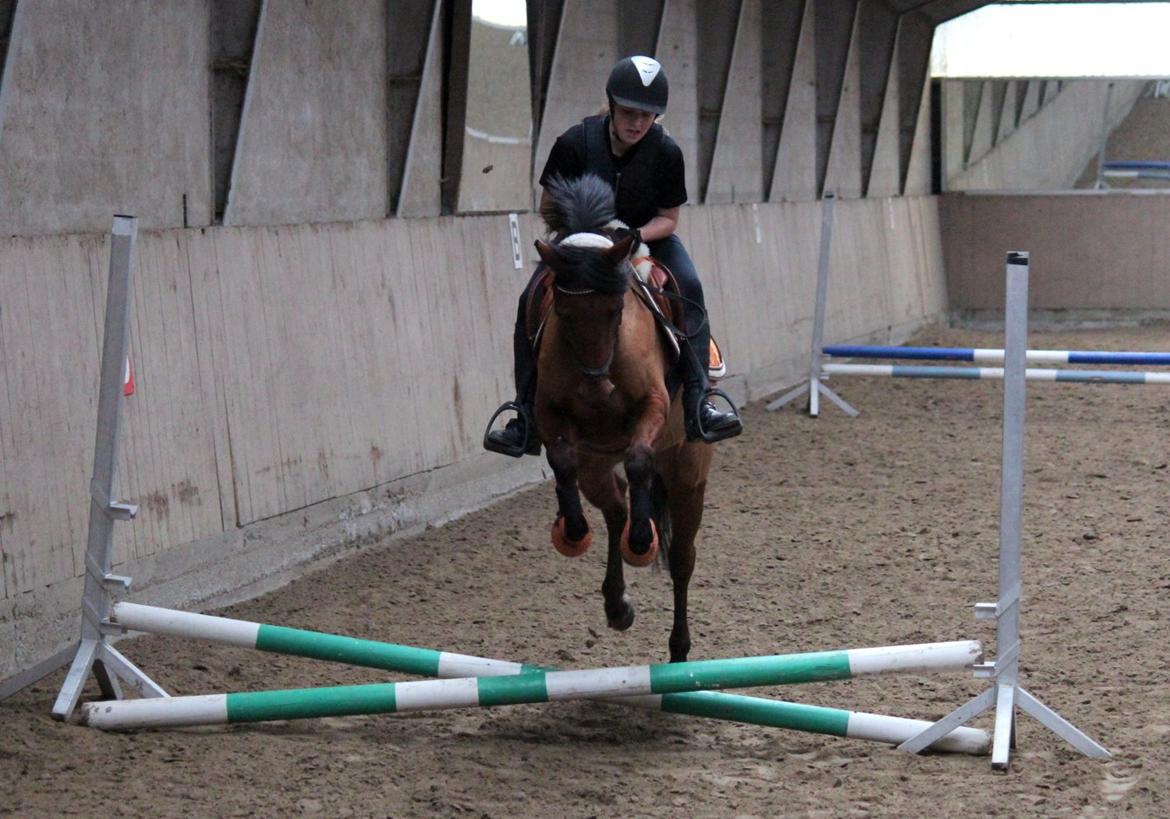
(819, 534)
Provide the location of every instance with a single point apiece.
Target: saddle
(653, 283)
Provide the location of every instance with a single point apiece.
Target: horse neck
(639, 333)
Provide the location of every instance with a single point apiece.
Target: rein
(669, 296)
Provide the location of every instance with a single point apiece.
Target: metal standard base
(109, 666)
(814, 387)
(1005, 699)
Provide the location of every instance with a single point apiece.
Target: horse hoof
(623, 621)
(633, 558)
(561, 542)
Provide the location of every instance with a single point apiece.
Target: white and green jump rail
(476, 681)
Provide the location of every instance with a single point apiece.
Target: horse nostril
(595, 390)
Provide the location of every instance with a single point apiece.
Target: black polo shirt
(649, 177)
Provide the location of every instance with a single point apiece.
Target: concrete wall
(1044, 149)
(294, 111)
(312, 138)
(736, 173)
(302, 390)
(1091, 250)
(106, 114)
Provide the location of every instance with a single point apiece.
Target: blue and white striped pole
(976, 373)
(995, 356)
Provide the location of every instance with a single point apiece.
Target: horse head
(591, 272)
(591, 275)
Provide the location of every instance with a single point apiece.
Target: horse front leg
(570, 533)
(606, 490)
(640, 543)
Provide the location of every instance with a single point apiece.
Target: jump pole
(996, 373)
(528, 687)
(1005, 694)
(813, 386)
(994, 356)
(431, 663)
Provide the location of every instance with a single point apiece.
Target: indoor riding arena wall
(1095, 254)
(303, 390)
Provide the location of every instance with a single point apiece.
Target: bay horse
(602, 400)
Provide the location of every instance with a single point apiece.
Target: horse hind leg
(608, 493)
(685, 502)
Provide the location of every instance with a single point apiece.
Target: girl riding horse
(602, 400)
(644, 168)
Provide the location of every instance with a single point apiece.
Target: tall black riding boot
(518, 437)
(704, 422)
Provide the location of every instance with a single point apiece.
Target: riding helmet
(638, 82)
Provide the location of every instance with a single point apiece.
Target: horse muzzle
(595, 391)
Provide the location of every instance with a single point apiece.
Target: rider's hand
(622, 233)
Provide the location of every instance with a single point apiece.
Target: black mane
(581, 205)
(584, 205)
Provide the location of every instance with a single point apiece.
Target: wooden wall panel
(213, 356)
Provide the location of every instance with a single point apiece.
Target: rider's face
(630, 124)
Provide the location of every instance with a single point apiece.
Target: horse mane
(583, 205)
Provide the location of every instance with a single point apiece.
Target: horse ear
(548, 253)
(621, 249)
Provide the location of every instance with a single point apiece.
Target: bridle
(595, 240)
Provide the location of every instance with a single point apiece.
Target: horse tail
(581, 205)
(660, 510)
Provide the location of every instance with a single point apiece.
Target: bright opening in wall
(1055, 40)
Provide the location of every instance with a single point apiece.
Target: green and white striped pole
(374, 699)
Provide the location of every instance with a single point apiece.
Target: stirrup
(527, 447)
(715, 435)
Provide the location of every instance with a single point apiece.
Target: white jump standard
(1006, 694)
(431, 663)
(528, 687)
(813, 386)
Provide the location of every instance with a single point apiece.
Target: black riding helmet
(638, 82)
